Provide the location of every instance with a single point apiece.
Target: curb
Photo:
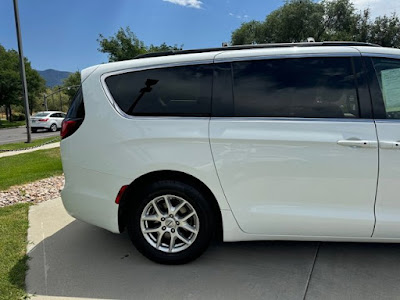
(43, 147)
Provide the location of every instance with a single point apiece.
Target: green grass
(6, 124)
(13, 258)
(34, 143)
(23, 168)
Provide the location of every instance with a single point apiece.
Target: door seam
(377, 179)
(215, 167)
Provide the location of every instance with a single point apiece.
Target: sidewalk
(47, 146)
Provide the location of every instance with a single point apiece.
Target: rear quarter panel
(110, 150)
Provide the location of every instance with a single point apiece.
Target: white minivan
(260, 142)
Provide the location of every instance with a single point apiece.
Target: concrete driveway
(71, 259)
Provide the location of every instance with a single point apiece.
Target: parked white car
(50, 120)
(260, 142)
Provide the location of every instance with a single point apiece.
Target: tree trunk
(7, 112)
(8, 108)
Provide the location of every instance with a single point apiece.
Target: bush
(18, 117)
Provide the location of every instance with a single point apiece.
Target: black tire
(53, 127)
(198, 202)
(34, 130)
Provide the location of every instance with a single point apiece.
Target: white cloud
(238, 16)
(187, 3)
(378, 7)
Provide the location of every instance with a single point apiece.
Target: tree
(332, 20)
(71, 84)
(248, 33)
(339, 21)
(163, 48)
(295, 21)
(125, 45)
(385, 31)
(10, 81)
(363, 27)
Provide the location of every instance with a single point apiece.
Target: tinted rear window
(77, 109)
(41, 115)
(177, 91)
(301, 87)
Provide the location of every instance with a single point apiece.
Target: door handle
(358, 143)
(389, 145)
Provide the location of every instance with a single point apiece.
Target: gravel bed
(35, 192)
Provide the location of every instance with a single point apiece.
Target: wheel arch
(139, 183)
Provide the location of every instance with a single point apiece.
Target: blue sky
(61, 34)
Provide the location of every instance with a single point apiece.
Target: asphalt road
(73, 260)
(15, 135)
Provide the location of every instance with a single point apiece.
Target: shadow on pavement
(81, 260)
(84, 261)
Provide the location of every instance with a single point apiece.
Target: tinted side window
(388, 73)
(177, 91)
(298, 87)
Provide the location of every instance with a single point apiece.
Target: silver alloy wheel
(169, 223)
(53, 127)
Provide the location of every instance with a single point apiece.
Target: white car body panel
(380, 51)
(110, 150)
(387, 203)
(290, 177)
(282, 52)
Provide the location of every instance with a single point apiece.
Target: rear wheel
(53, 127)
(171, 222)
(34, 130)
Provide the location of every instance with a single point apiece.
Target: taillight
(69, 127)
(120, 194)
(43, 120)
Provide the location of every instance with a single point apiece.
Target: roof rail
(256, 46)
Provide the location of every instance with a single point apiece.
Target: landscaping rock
(35, 192)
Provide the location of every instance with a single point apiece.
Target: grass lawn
(34, 143)
(28, 167)
(6, 124)
(13, 258)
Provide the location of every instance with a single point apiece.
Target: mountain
(54, 77)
